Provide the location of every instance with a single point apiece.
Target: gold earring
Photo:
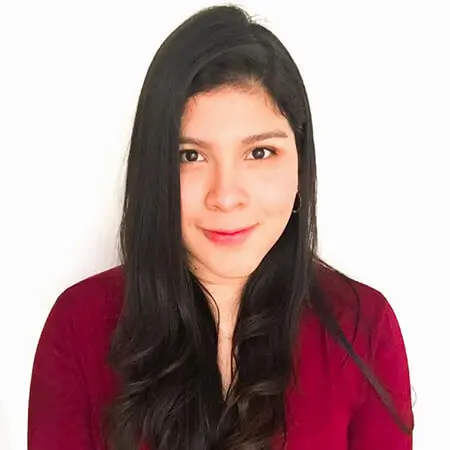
(296, 210)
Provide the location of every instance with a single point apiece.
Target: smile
(229, 237)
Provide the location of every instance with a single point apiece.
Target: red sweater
(71, 382)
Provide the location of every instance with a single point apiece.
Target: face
(238, 169)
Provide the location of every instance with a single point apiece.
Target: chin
(235, 270)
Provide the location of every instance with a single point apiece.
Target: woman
(221, 328)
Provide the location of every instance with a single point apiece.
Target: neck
(224, 301)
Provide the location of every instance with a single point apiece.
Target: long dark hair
(165, 345)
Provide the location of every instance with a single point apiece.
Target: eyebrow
(246, 141)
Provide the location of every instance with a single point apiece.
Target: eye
(262, 153)
(188, 156)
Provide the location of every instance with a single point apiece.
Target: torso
(318, 415)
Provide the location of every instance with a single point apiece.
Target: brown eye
(187, 156)
(262, 153)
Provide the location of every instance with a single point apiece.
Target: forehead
(231, 109)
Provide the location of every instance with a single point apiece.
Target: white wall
(377, 76)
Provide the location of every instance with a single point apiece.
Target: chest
(318, 412)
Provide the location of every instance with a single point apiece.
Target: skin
(230, 183)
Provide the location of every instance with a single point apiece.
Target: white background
(377, 75)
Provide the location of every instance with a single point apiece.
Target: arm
(372, 426)
(58, 409)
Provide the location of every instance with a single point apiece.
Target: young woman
(221, 328)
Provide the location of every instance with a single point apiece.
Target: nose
(226, 190)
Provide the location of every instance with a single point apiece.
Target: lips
(235, 236)
(230, 232)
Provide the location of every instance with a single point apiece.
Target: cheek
(191, 196)
(277, 196)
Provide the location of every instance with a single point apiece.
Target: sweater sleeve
(372, 426)
(58, 408)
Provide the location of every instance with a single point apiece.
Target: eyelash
(270, 149)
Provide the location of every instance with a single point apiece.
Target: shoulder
(100, 294)
(370, 325)
(71, 378)
(346, 293)
(89, 309)
(364, 313)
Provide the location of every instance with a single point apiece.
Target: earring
(297, 209)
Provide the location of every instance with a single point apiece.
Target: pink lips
(228, 236)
